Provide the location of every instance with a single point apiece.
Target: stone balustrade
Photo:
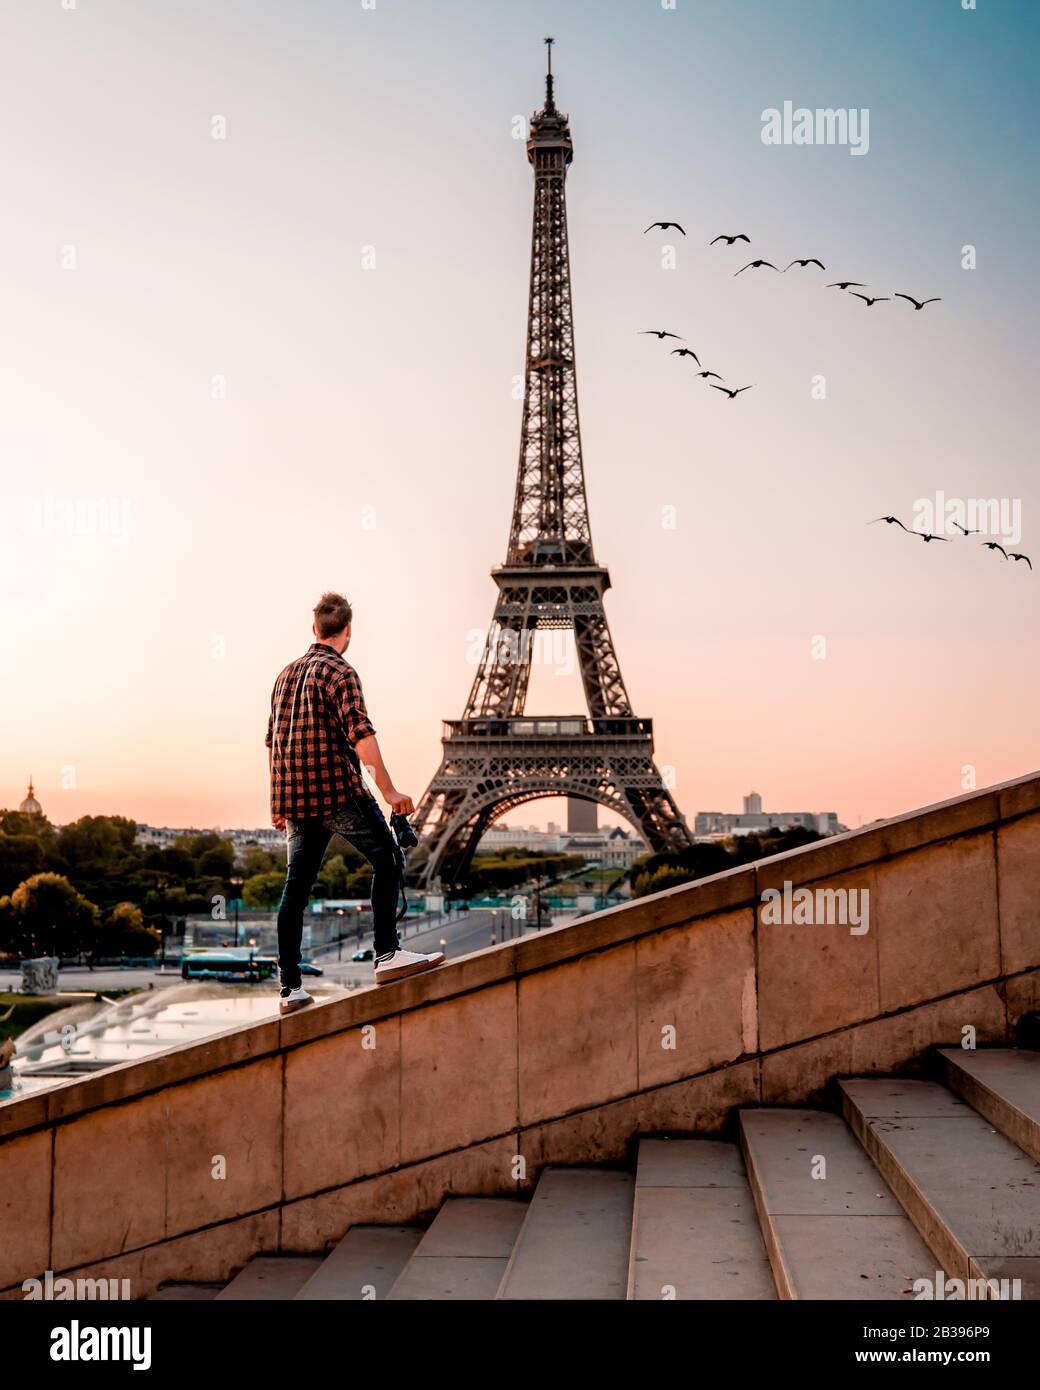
(661, 1015)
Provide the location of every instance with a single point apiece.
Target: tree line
(90, 888)
(653, 872)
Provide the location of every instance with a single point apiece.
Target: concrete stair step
(973, 1194)
(364, 1265)
(1003, 1085)
(268, 1277)
(695, 1234)
(575, 1239)
(837, 1236)
(464, 1253)
(184, 1293)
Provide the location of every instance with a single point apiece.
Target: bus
(244, 965)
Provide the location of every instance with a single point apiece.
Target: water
(133, 1029)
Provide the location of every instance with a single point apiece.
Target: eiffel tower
(495, 758)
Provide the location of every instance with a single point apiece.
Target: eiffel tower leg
(600, 670)
(500, 685)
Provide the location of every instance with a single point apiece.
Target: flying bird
(714, 374)
(753, 265)
(919, 303)
(807, 260)
(844, 284)
(662, 333)
(968, 530)
(992, 545)
(685, 352)
(1017, 555)
(729, 240)
(664, 226)
(891, 520)
(729, 393)
(927, 536)
(878, 298)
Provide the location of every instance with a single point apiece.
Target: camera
(403, 832)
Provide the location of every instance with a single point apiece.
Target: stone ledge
(685, 903)
(601, 1132)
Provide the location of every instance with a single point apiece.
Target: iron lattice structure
(495, 758)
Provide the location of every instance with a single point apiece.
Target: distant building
(714, 825)
(610, 846)
(502, 836)
(163, 836)
(30, 806)
(581, 816)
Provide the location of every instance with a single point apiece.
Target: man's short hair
(332, 614)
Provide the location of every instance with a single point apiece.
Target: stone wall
(660, 1015)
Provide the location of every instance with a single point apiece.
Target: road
(470, 932)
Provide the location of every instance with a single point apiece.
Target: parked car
(366, 953)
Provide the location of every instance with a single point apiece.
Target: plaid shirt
(317, 715)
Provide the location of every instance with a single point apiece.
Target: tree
(263, 890)
(665, 876)
(332, 880)
(173, 863)
(218, 862)
(700, 860)
(257, 860)
(8, 928)
(51, 917)
(21, 856)
(123, 933)
(33, 823)
(96, 844)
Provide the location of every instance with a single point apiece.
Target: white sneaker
(404, 963)
(292, 999)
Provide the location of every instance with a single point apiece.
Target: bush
(45, 915)
(123, 933)
(263, 890)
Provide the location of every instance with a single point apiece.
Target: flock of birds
(846, 286)
(803, 262)
(965, 531)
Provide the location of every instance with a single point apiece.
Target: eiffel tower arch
(495, 757)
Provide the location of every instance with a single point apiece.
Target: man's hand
(370, 757)
(400, 804)
(278, 822)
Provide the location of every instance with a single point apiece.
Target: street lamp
(494, 922)
(236, 883)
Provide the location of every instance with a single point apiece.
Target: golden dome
(30, 805)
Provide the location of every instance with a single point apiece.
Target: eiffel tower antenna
(494, 757)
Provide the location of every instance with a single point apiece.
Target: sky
(264, 275)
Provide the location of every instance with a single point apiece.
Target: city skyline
(232, 411)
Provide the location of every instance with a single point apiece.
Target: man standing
(318, 736)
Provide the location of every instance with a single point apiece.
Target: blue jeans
(362, 825)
